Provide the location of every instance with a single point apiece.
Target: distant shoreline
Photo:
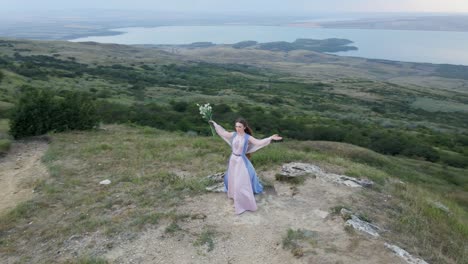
(100, 33)
(398, 45)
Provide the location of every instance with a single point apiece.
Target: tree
(40, 111)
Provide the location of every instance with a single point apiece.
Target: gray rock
(351, 183)
(295, 169)
(440, 206)
(218, 182)
(218, 187)
(363, 226)
(405, 255)
(217, 177)
(105, 182)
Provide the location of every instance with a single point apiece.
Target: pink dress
(240, 180)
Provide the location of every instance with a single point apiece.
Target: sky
(246, 6)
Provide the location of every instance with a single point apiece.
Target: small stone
(105, 182)
(440, 206)
(351, 183)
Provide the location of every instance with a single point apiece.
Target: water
(400, 45)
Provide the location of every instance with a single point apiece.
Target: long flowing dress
(241, 181)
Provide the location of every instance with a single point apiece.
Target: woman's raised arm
(222, 132)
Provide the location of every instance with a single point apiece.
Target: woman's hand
(211, 122)
(276, 137)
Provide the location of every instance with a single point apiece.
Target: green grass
(440, 236)
(206, 238)
(5, 139)
(432, 105)
(4, 145)
(299, 241)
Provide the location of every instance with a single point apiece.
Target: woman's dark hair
(247, 130)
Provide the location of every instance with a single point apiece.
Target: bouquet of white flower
(207, 113)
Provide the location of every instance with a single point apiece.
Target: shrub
(422, 151)
(76, 111)
(33, 114)
(40, 111)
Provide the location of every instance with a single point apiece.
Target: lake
(400, 45)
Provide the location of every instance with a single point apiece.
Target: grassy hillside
(300, 94)
(325, 107)
(154, 171)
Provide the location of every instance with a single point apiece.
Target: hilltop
(401, 125)
(156, 208)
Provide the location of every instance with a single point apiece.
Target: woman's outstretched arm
(222, 132)
(256, 144)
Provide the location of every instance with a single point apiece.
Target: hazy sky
(253, 6)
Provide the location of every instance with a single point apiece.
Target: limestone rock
(405, 255)
(296, 169)
(363, 226)
(440, 206)
(218, 182)
(218, 187)
(105, 182)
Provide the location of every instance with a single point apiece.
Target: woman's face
(239, 127)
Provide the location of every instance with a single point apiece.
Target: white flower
(205, 111)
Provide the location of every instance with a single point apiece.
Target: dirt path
(257, 237)
(19, 169)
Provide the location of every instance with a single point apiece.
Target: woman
(240, 180)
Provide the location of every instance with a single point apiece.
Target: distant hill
(325, 45)
(430, 23)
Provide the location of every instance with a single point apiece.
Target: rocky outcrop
(296, 169)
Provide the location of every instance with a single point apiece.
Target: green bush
(33, 115)
(454, 160)
(421, 151)
(77, 111)
(40, 111)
